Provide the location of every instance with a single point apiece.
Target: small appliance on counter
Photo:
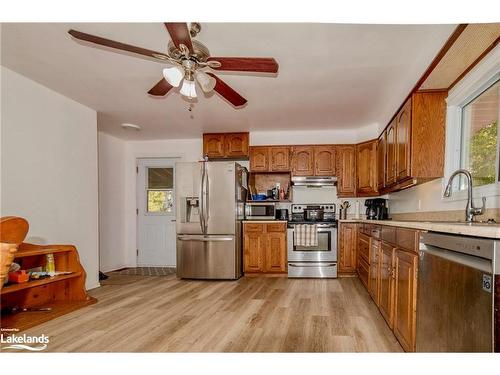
(260, 210)
(376, 209)
(282, 214)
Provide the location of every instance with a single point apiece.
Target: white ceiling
(331, 76)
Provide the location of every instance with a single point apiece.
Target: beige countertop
(265, 221)
(466, 229)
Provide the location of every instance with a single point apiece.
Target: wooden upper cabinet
(225, 145)
(381, 167)
(213, 145)
(324, 161)
(390, 163)
(403, 134)
(279, 158)
(236, 145)
(303, 160)
(259, 158)
(428, 120)
(347, 248)
(415, 141)
(367, 168)
(346, 171)
(405, 298)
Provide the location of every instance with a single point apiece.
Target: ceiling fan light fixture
(188, 89)
(206, 82)
(173, 75)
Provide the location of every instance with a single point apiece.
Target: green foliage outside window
(160, 201)
(483, 150)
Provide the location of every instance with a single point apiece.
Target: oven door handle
(312, 265)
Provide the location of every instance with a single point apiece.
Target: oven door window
(324, 241)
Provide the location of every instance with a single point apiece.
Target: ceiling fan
(190, 62)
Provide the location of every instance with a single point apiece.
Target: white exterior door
(156, 212)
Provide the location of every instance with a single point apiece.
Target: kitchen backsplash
(326, 195)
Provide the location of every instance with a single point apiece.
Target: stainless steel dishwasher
(456, 293)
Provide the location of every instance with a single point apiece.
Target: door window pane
(479, 149)
(160, 190)
(160, 178)
(160, 201)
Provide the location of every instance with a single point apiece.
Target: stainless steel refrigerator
(210, 199)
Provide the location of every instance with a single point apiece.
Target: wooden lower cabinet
(375, 271)
(347, 248)
(275, 252)
(405, 298)
(264, 248)
(253, 251)
(386, 295)
(364, 272)
(364, 247)
(388, 270)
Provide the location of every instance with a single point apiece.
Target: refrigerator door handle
(205, 239)
(202, 199)
(206, 210)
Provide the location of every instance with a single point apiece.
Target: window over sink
(472, 136)
(479, 138)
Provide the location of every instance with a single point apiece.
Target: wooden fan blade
(179, 33)
(161, 88)
(227, 92)
(247, 64)
(113, 44)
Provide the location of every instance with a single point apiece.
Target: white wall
(428, 197)
(49, 167)
(111, 202)
(337, 136)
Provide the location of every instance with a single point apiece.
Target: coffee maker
(376, 209)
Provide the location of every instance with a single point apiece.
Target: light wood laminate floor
(253, 314)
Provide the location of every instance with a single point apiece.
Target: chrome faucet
(470, 210)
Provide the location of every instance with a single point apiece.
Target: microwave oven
(260, 211)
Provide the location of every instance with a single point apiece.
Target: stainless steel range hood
(314, 181)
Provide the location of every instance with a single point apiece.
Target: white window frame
(482, 76)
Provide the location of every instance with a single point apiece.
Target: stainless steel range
(313, 261)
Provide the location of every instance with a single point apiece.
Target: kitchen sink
(456, 222)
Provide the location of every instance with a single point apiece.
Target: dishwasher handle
(484, 265)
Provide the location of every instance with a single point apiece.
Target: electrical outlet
(419, 205)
